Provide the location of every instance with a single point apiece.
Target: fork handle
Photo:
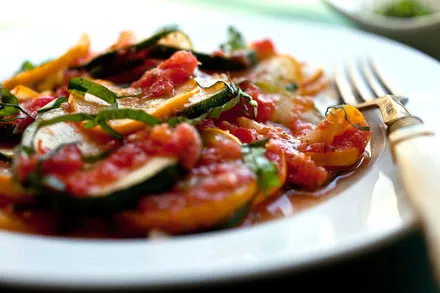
(416, 152)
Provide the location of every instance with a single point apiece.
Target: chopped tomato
(298, 125)
(301, 170)
(219, 150)
(182, 142)
(245, 135)
(265, 109)
(264, 48)
(32, 105)
(335, 141)
(162, 80)
(67, 160)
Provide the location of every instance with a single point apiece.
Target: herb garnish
(25, 66)
(90, 121)
(9, 106)
(215, 112)
(255, 159)
(83, 86)
(234, 41)
(404, 9)
(363, 128)
(292, 87)
(55, 104)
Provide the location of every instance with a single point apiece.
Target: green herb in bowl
(405, 9)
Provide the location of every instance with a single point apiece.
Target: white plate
(366, 213)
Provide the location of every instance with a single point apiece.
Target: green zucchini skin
(210, 62)
(215, 99)
(111, 62)
(115, 201)
(235, 219)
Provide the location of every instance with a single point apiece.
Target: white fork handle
(416, 151)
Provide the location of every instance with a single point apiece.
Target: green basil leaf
(255, 159)
(55, 104)
(102, 64)
(83, 86)
(161, 33)
(95, 158)
(104, 125)
(7, 101)
(27, 150)
(6, 110)
(292, 87)
(126, 113)
(213, 113)
(233, 42)
(25, 66)
(90, 121)
(258, 143)
(77, 117)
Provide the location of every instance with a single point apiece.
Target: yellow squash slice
(30, 77)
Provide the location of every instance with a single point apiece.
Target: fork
(414, 147)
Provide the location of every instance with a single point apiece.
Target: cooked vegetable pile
(153, 135)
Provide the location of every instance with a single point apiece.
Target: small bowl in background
(420, 32)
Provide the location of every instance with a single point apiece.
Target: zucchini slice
(194, 204)
(113, 62)
(160, 108)
(156, 175)
(241, 60)
(207, 98)
(279, 70)
(189, 100)
(52, 136)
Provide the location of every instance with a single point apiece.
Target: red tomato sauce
(297, 125)
(182, 142)
(162, 80)
(210, 182)
(265, 108)
(352, 138)
(301, 170)
(31, 106)
(264, 48)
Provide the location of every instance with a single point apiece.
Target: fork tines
(361, 82)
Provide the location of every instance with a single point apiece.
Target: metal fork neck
(403, 122)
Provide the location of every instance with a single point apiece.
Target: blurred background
(413, 22)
